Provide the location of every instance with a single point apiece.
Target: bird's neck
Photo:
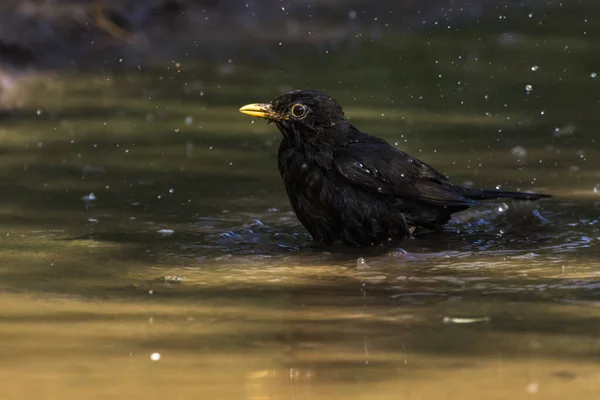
(302, 151)
(324, 139)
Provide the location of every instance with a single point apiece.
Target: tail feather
(487, 194)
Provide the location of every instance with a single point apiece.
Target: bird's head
(299, 113)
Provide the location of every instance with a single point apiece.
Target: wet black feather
(345, 185)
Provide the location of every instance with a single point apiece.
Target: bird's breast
(306, 176)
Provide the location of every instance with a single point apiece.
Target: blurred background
(148, 249)
(98, 34)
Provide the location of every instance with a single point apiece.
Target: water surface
(140, 213)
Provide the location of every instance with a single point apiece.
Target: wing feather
(374, 165)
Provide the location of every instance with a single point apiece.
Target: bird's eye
(298, 110)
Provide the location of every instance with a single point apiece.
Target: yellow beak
(261, 111)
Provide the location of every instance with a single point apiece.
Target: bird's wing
(375, 166)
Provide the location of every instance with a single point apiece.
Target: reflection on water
(147, 249)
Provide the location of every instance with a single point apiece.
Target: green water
(189, 247)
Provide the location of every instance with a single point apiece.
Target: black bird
(346, 185)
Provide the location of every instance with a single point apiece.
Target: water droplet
(593, 75)
(172, 279)
(519, 151)
(528, 88)
(189, 149)
(39, 112)
(171, 190)
(188, 120)
(534, 68)
(532, 388)
(155, 356)
(89, 197)
(361, 263)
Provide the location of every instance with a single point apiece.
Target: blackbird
(346, 185)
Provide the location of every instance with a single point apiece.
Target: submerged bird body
(345, 185)
(330, 208)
